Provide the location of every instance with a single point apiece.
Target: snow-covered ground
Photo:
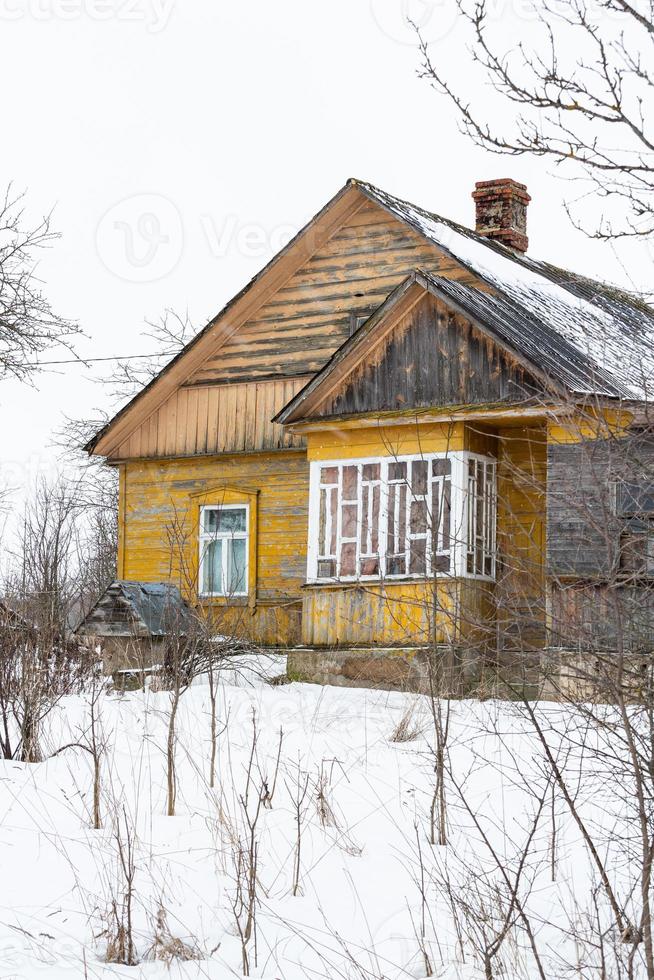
(364, 815)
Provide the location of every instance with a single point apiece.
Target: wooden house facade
(366, 455)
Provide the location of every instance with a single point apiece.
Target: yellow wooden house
(354, 459)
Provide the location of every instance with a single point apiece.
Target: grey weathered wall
(603, 616)
(432, 357)
(583, 530)
(595, 603)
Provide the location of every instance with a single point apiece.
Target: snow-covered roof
(611, 329)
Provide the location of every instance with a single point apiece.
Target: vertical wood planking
(232, 418)
(202, 420)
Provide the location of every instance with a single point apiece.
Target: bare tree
(167, 336)
(184, 657)
(297, 792)
(44, 578)
(121, 897)
(97, 539)
(28, 325)
(577, 91)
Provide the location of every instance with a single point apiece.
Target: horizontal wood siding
(431, 357)
(309, 317)
(210, 419)
(159, 543)
(583, 530)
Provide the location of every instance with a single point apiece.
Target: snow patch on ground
(358, 912)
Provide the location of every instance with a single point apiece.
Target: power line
(91, 360)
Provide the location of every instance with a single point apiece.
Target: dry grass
(167, 948)
(409, 727)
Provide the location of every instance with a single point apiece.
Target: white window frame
(488, 548)
(460, 502)
(205, 538)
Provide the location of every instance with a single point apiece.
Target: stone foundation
(460, 672)
(385, 668)
(594, 676)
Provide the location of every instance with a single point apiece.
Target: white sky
(231, 124)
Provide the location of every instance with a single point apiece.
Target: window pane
(329, 474)
(436, 505)
(371, 471)
(209, 521)
(397, 471)
(349, 520)
(396, 518)
(231, 520)
(446, 514)
(322, 533)
(350, 482)
(224, 520)
(366, 493)
(441, 467)
(417, 561)
(327, 568)
(376, 498)
(237, 555)
(634, 498)
(212, 567)
(418, 519)
(419, 477)
(333, 505)
(348, 558)
(441, 563)
(396, 565)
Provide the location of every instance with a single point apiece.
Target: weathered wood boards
(226, 402)
(431, 357)
(216, 418)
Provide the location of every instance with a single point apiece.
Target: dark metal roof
(611, 329)
(138, 609)
(519, 329)
(554, 360)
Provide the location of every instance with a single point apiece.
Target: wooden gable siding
(431, 357)
(211, 419)
(308, 318)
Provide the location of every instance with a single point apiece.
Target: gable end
(432, 357)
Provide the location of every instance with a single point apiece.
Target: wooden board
(159, 539)
(308, 318)
(430, 357)
(209, 419)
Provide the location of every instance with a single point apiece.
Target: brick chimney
(501, 212)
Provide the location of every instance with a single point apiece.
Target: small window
(637, 549)
(358, 318)
(634, 499)
(224, 550)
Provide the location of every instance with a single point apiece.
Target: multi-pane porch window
(223, 550)
(411, 516)
(481, 510)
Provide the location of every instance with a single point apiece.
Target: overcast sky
(182, 141)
